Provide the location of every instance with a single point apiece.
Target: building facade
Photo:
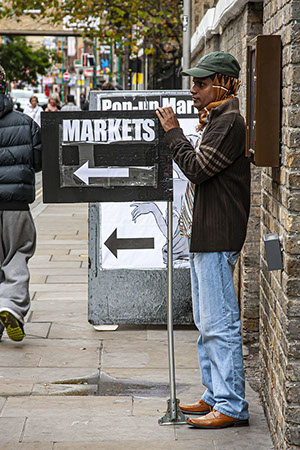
(270, 303)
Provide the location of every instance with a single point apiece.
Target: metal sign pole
(173, 415)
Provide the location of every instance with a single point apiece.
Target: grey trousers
(17, 246)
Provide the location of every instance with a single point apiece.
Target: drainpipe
(186, 28)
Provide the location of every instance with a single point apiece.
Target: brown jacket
(221, 174)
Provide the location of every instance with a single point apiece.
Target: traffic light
(59, 51)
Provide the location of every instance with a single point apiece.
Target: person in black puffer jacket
(20, 158)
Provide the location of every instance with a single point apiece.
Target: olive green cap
(215, 62)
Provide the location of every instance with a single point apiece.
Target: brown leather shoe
(215, 419)
(200, 408)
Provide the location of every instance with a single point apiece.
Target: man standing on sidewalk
(214, 218)
(20, 158)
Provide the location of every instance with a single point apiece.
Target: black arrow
(114, 244)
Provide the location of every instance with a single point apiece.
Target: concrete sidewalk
(68, 386)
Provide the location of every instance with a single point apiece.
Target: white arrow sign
(84, 172)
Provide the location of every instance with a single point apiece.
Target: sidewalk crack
(99, 369)
(132, 405)
(1, 409)
(23, 430)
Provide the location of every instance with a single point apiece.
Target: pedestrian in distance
(84, 103)
(107, 86)
(82, 99)
(53, 103)
(214, 219)
(34, 110)
(20, 158)
(70, 105)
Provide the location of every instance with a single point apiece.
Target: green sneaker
(14, 328)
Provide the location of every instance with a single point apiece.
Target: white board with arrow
(130, 242)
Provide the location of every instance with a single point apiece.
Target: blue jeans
(217, 317)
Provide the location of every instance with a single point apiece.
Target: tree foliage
(154, 25)
(22, 62)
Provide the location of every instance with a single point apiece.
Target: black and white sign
(110, 156)
(115, 154)
(128, 230)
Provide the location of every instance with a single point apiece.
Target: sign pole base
(173, 415)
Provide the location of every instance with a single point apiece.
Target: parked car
(21, 98)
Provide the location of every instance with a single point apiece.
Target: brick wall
(270, 302)
(279, 290)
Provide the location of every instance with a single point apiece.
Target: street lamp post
(95, 63)
(62, 92)
(119, 64)
(110, 62)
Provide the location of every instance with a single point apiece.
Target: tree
(129, 25)
(22, 62)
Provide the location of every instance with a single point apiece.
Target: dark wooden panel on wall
(264, 100)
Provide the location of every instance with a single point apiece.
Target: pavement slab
(136, 354)
(69, 257)
(44, 374)
(16, 388)
(11, 428)
(38, 260)
(43, 407)
(138, 445)
(53, 251)
(58, 287)
(50, 353)
(58, 295)
(64, 306)
(72, 279)
(66, 317)
(73, 353)
(24, 354)
(106, 427)
(37, 330)
(87, 331)
(38, 278)
(229, 438)
(51, 270)
(22, 381)
(38, 265)
(28, 446)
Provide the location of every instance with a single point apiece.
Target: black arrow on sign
(114, 244)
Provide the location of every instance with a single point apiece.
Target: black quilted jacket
(20, 157)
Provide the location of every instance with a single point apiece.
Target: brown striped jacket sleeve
(218, 150)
